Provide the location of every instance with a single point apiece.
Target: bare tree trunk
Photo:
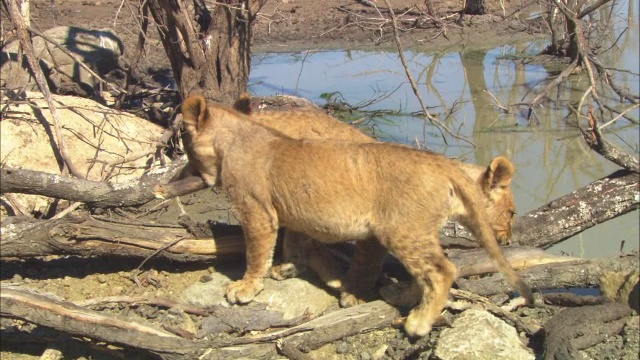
(208, 45)
(475, 7)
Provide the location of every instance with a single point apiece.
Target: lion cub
(337, 191)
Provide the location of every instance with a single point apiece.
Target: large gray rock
(478, 335)
(292, 297)
(99, 49)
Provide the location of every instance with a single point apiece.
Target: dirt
(296, 25)
(282, 25)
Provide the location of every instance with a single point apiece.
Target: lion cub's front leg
(260, 231)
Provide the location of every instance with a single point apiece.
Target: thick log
(477, 262)
(85, 323)
(344, 322)
(67, 317)
(601, 200)
(85, 235)
(573, 274)
(93, 193)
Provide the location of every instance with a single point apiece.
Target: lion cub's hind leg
(363, 272)
(433, 273)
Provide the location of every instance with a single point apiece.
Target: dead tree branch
(599, 144)
(29, 52)
(93, 193)
(414, 85)
(574, 274)
(85, 235)
(69, 318)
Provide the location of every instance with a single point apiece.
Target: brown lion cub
(338, 191)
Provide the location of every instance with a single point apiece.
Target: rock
(292, 297)
(94, 135)
(477, 335)
(100, 50)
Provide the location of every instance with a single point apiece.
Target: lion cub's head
(199, 120)
(495, 182)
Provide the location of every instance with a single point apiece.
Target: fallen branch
(93, 193)
(575, 274)
(29, 53)
(477, 262)
(85, 323)
(599, 144)
(599, 201)
(67, 317)
(85, 236)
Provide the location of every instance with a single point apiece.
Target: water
(550, 156)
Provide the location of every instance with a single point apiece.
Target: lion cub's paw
(283, 271)
(159, 192)
(243, 291)
(417, 325)
(349, 300)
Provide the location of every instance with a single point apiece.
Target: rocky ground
(281, 26)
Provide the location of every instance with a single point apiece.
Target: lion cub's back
(309, 124)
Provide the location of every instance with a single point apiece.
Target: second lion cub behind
(339, 191)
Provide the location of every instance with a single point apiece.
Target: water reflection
(466, 89)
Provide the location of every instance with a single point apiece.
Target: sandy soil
(282, 25)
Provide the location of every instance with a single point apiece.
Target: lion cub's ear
(243, 104)
(498, 174)
(194, 113)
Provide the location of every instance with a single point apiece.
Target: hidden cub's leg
(363, 272)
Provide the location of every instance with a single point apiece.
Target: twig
(29, 52)
(67, 210)
(471, 300)
(596, 142)
(163, 302)
(566, 72)
(134, 277)
(414, 85)
(75, 58)
(620, 115)
(500, 106)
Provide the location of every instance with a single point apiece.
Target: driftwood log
(584, 273)
(93, 193)
(82, 322)
(84, 235)
(599, 201)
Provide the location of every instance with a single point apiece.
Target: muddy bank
(298, 25)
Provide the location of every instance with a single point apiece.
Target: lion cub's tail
(477, 221)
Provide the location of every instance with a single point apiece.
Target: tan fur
(494, 180)
(384, 196)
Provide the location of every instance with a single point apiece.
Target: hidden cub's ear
(243, 104)
(498, 174)
(194, 113)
